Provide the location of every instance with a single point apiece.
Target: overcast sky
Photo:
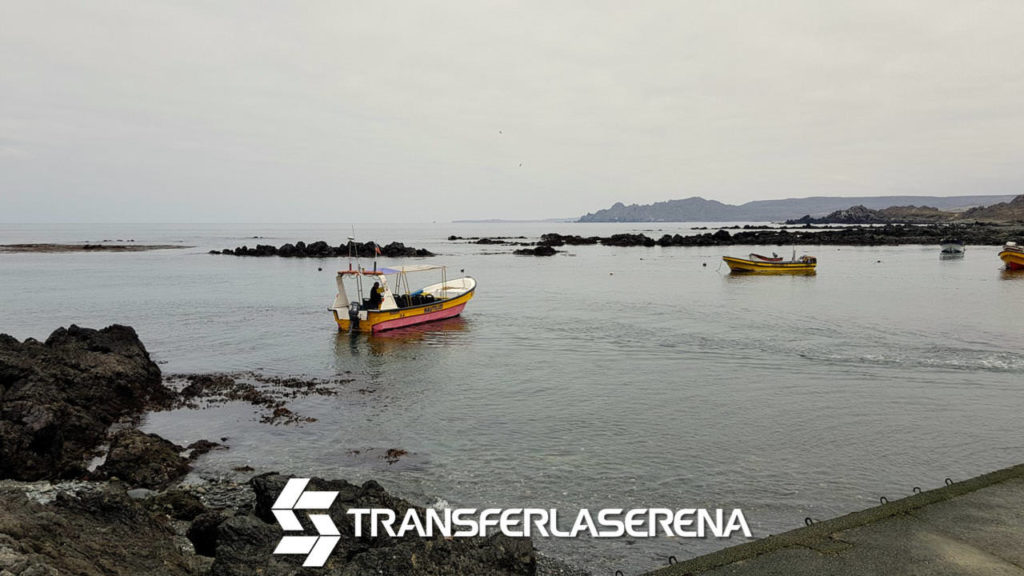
(238, 110)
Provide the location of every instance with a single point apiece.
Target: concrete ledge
(821, 536)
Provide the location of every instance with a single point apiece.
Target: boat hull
(744, 266)
(1013, 259)
(381, 320)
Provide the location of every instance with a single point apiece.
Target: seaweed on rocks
(268, 393)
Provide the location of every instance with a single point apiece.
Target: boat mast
(359, 275)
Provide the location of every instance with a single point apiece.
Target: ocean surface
(600, 377)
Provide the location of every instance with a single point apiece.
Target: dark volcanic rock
(61, 396)
(177, 504)
(144, 460)
(203, 532)
(627, 240)
(538, 251)
(572, 240)
(892, 234)
(397, 249)
(96, 533)
(321, 249)
(245, 544)
(200, 447)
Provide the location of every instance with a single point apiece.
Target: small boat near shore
(775, 265)
(1013, 256)
(392, 303)
(953, 246)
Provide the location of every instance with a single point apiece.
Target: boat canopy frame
(401, 279)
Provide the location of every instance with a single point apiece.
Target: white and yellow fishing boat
(390, 304)
(1013, 256)
(775, 265)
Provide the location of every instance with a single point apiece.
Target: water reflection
(447, 332)
(441, 333)
(747, 276)
(1012, 274)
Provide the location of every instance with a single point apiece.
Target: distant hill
(1012, 211)
(697, 209)
(892, 215)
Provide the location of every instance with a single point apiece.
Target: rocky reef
(133, 515)
(321, 249)
(893, 234)
(536, 251)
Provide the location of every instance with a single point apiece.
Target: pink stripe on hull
(419, 318)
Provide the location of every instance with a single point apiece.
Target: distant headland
(1012, 211)
(697, 209)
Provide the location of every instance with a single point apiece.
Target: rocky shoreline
(75, 397)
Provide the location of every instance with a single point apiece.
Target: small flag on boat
(376, 249)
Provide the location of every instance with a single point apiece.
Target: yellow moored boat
(387, 308)
(775, 265)
(1013, 256)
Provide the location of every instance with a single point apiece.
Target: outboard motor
(353, 315)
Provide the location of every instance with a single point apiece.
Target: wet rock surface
(321, 249)
(97, 528)
(94, 531)
(268, 393)
(144, 460)
(244, 543)
(61, 396)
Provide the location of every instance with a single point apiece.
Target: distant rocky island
(321, 249)
(1012, 211)
(697, 209)
(95, 247)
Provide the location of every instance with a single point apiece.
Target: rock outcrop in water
(981, 234)
(144, 460)
(321, 249)
(61, 396)
(537, 251)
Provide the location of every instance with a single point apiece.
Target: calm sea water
(604, 377)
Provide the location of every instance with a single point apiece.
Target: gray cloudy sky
(329, 111)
